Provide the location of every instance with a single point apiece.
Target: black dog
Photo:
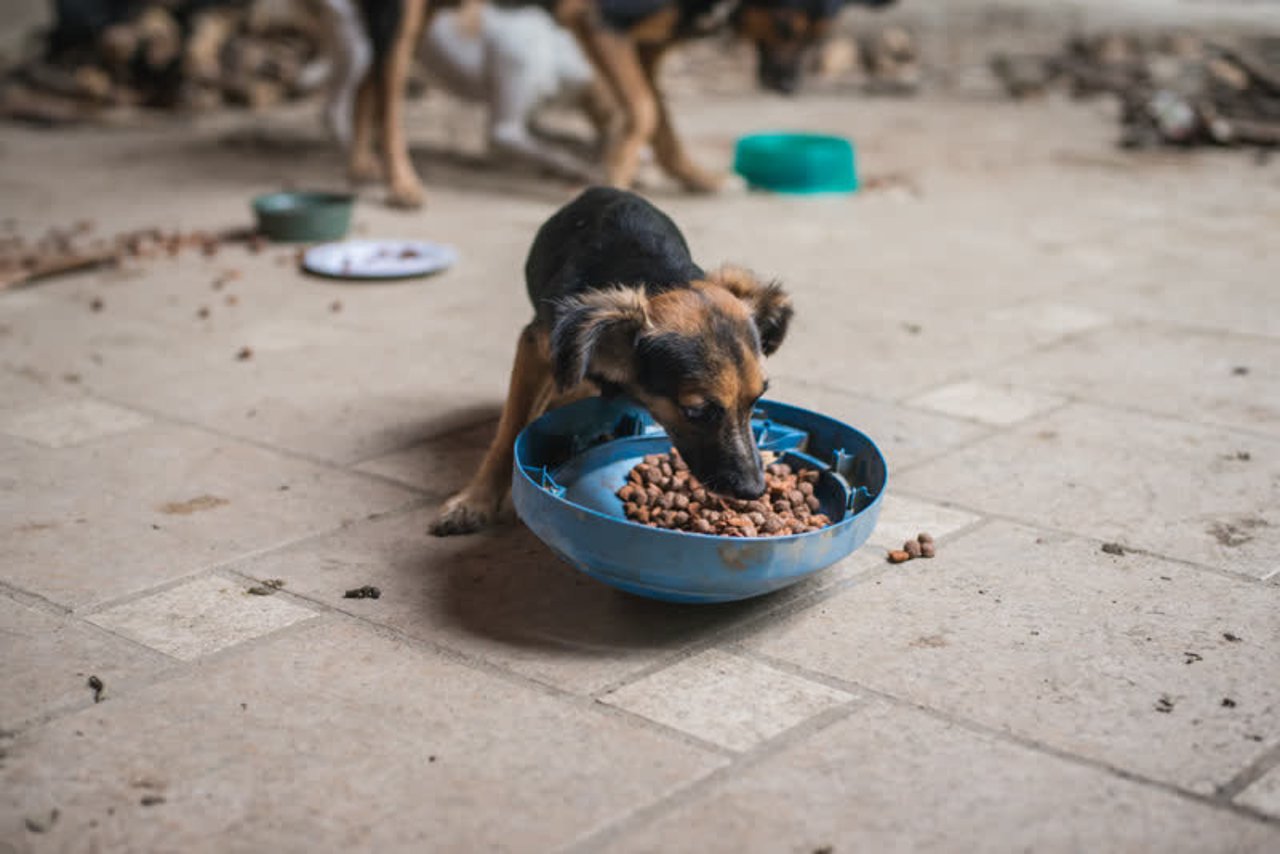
(620, 305)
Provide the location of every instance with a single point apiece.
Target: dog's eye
(703, 414)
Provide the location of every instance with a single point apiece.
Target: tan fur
(530, 392)
(406, 188)
(657, 28)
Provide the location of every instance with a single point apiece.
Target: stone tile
(48, 659)
(1264, 793)
(339, 403)
(439, 466)
(200, 617)
(892, 778)
(504, 597)
(726, 699)
(1054, 320)
(904, 435)
(344, 739)
(96, 522)
(1176, 489)
(1047, 637)
(989, 404)
(1177, 372)
(70, 422)
(1229, 290)
(902, 518)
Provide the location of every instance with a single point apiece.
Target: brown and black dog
(625, 41)
(621, 307)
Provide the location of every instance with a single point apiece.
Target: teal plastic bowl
(798, 163)
(298, 217)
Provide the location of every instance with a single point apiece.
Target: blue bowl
(570, 463)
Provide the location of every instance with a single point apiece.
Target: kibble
(921, 546)
(661, 492)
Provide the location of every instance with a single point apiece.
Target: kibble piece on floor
(661, 492)
(899, 556)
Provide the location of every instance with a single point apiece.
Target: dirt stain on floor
(192, 505)
(1236, 533)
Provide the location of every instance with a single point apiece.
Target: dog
(625, 40)
(620, 306)
(515, 60)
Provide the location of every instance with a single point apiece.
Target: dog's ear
(597, 331)
(768, 303)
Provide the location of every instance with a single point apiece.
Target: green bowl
(304, 217)
(800, 163)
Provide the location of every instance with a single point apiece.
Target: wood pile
(173, 55)
(1177, 89)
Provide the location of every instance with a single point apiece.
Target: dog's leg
(515, 139)
(406, 188)
(352, 56)
(667, 147)
(529, 393)
(598, 105)
(615, 57)
(515, 91)
(362, 161)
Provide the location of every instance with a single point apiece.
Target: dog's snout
(784, 81)
(748, 486)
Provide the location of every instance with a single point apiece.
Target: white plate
(379, 259)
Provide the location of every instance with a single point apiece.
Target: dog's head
(692, 356)
(783, 30)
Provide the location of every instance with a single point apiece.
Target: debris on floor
(184, 55)
(267, 587)
(368, 591)
(1177, 89)
(42, 824)
(1114, 549)
(921, 546)
(98, 687)
(1165, 704)
(65, 250)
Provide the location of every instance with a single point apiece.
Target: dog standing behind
(621, 306)
(515, 60)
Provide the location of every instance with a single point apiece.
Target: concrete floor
(1048, 337)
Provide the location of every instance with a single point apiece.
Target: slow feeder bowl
(304, 217)
(570, 463)
(798, 163)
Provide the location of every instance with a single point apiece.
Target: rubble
(183, 55)
(1177, 89)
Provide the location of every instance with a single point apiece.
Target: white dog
(514, 60)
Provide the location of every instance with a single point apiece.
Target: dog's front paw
(463, 514)
(406, 193)
(700, 181)
(366, 169)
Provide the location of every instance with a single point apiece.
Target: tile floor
(1048, 348)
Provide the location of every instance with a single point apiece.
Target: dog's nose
(748, 487)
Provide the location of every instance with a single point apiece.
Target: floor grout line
(592, 840)
(1217, 802)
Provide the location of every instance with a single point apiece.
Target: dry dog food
(661, 492)
(921, 546)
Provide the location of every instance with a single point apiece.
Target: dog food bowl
(798, 163)
(570, 463)
(304, 217)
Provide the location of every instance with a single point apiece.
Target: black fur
(591, 269)
(603, 238)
